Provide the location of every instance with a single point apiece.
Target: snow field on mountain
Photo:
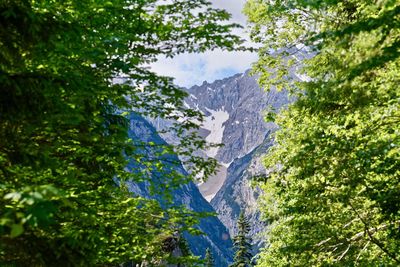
(215, 124)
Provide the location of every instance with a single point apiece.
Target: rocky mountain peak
(233, 109)
(234, 113)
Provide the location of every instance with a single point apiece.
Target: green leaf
(16, 230)
(14, 196)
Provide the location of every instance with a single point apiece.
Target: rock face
(234, 116)
(239, 194)
(233, 109)
(216, 236)
(234, 113)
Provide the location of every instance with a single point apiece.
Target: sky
(193, 69)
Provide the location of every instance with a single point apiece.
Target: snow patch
(214, 123)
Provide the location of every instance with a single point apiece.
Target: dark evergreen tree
(242, 243)
(209, 259)
(184, 247)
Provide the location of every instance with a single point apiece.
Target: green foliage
(242, 244)
(67, 71)
(333, 194)
(184, 246)
(209, 259)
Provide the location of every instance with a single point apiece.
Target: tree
(208, 258)
(242, 244)
(332, 196)
(69, 71)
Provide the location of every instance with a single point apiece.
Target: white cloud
(191, 69)
(234, 7)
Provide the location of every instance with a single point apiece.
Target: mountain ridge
(240, 103)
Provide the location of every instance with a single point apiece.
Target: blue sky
(192, 69)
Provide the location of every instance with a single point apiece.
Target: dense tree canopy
(333, 194)
(68, 72)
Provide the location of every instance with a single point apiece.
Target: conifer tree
(242, 243)
(209, 259)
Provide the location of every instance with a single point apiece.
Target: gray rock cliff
(241, 102)
(246, 138)
(239, 193)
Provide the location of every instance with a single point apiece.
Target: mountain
(234, 113)
(216, 236)
(239, 194)
(233, 109)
